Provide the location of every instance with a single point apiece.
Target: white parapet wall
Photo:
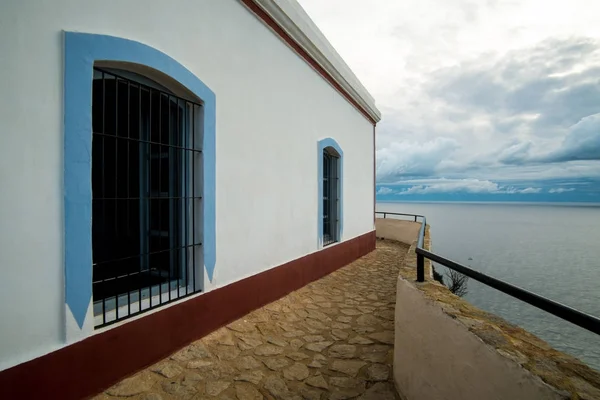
(436, 357)
(445, 348)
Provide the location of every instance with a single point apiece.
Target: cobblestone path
(332, 339)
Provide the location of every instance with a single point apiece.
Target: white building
(166, 167)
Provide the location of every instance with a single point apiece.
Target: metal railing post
(415, 218)
(384, 214)
(420, 268)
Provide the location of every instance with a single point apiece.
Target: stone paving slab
(332, 339)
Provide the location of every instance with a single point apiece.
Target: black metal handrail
(562, 311)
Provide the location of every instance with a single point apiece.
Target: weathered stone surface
(310, 393)
(247, 342)
(167, 369)
(386, 314)
(296, 344)
(383, 337)
(343, 394)
(250, 376)
(297, 347)
(221, 336)
(348, 367)
(361, 330)
(150, 396)
(214, 388)
(242, 326)
(246, 391)
(179, 389)
(197, 364)
(277, 387)
(387, 325)
(192, 379)
(297, 372)
(313, 338)
(584, 389)
(318, 346)
(277, 341)
(226, 352)
(378, 372)
(268, 329)
(312, 323)
(276, 363)
(268, 350)
(342, 351)
(344, 381)
(276, 307)
(293, 334)
(298, 356)
(318, 315)
(247, 362)
(192, 352)
(317, 381)
(286, 327)
(350, 311)
(339, 325)
(325, 304)
(211, 371)
(360, 340)
(257, 316)
(367, 320)
(379, 391)
(365, 309)
(339, 334)
(128, 387)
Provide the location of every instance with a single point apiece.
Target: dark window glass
(143, 193)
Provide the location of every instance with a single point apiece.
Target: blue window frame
(82, 52)
(330, 177)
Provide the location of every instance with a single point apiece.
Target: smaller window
(331, 198)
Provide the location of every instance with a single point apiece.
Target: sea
(548, 248)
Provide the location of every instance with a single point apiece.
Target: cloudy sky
(481, 100)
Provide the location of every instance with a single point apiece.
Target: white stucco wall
(272, 108)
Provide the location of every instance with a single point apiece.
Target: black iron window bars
(146, 196)
(330, 198)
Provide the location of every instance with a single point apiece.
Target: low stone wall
(445, 348)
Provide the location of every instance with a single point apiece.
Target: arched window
(146, 192)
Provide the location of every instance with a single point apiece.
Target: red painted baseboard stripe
(86, 368)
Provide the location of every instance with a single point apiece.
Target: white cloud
(429, 186)
(561, 190)
(531, 190)
(582, 142)
(478, 90)
(406, 158)
(385, 190)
